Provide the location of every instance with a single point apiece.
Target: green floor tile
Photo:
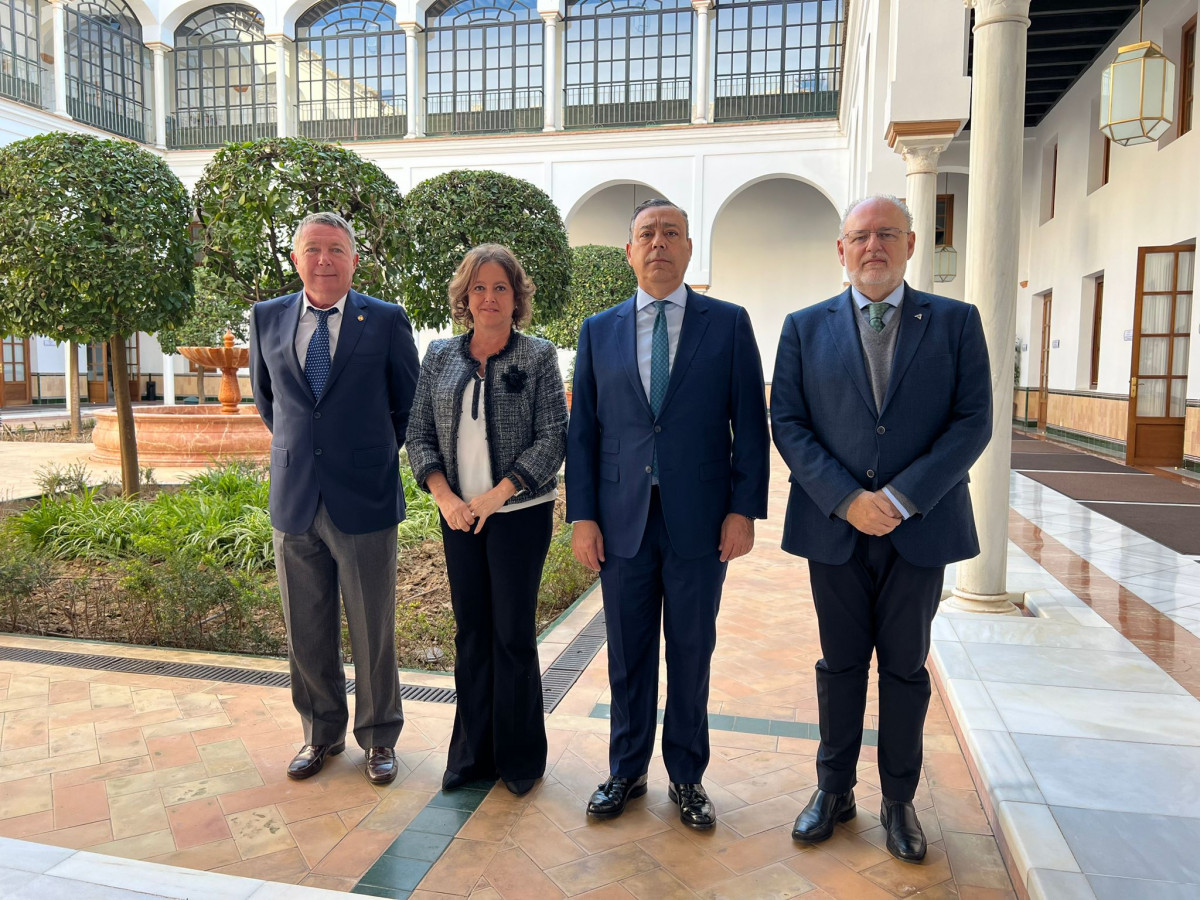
(372, 891)
(462, 798)
(395, 873)
(439, 821)
(419, 845)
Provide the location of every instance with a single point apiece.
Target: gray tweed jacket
(525, 404)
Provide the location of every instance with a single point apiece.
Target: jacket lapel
(843, 329)
(914, 319)
(625, 327)
(351, 330)
(290, 313)
(695, 323)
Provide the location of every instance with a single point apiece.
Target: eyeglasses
(885, 235)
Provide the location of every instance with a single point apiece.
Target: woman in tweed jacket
(486, 437)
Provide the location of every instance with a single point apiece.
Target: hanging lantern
(945, 263)
(945, 257)
(1137, 93)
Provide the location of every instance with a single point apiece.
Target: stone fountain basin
(185, 435)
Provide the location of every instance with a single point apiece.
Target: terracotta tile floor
(190, 773)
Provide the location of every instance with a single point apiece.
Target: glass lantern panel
(1154, 356)
(1159, 274)
(1152, 87)
(1156, 314)
(1158, 129)
(1126, 91)
(1152, 397)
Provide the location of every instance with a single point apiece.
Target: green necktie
(876, 310)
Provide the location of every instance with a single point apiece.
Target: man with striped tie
(333, 373)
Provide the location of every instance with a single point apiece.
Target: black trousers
(657, 585)
(499, 728)
(874, 601)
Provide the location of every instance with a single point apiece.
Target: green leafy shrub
(600, 278)
(22, 571)
(563, 578)
(447, 215)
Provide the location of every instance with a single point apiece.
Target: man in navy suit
(667, 466)
(880, 402)
(334, 373)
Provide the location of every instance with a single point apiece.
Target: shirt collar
(677, 296)
(893, 299)
(340, 306)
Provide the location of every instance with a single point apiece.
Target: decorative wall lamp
(1137, 92)
(945, 257)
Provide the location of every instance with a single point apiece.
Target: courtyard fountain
(193, 435)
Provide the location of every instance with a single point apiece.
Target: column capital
(702, 6)
(412, 29)
(551, 18)
(990, 12)
(921, 143)
(280, 39)
(158, 48)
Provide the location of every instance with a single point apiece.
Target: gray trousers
(312, 566)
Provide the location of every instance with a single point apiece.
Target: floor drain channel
(556, 680)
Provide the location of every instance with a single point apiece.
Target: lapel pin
(917, 316)
(360, 318)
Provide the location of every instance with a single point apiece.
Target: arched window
(20, 71)
(350, 71)
(628, 62)
(107, 67)
(224, 79)
(778, 59)
(484, 67)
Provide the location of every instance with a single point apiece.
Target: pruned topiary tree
(600, 277)
(95, 243)
(249, 200)
(447, 215)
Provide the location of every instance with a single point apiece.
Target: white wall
(603, 218)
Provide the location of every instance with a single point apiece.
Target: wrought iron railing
(790, 95)
(215, 127)
(120, 115)
(475, 112)
(20, 78)
(628, 103)
(362, 118)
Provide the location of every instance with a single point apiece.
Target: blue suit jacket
(344, 447)
(935, 421)
(711, 432)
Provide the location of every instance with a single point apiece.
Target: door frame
(17, 392)
(1044, 361)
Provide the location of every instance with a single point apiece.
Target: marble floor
(1062, 761)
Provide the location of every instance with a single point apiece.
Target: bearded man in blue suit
(667, 467)
(334, 373)
(880, 403)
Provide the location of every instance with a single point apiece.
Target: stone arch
(601, 215)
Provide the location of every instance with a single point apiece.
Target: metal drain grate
(565, 670)
(228, 674)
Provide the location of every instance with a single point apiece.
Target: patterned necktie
(660, 365)
(876, 311)
(317, 360)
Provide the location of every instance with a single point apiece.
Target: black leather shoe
(311, 759)
(695, 809)
(610, 798)
(520, 786)
(452, 781)
(825, 809)
(381, 765)
(905, 839)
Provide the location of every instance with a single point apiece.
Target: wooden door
(1158, 375)
(14, 372)
(1044, 374)
(97, 373)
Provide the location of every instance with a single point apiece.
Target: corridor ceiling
(1065, 38)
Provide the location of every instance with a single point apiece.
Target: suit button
(317, 452)
(649, 470)
(879, 430)
(870, 472)
(316, 415)
(657, 429)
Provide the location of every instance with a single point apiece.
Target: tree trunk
(125, 429)
(74, 415)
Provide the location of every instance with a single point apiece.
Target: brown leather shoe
(381, 765)
(311, 759)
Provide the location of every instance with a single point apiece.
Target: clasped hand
(871, 512)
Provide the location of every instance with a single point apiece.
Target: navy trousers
(874, 601)
(656, 586)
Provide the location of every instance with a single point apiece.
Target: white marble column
(283, 86)
(414, 87)
(552, 68)
(993, 223)
(703, 73)
(159, 74)
(920, 153)
(58, 12)
(168, 379)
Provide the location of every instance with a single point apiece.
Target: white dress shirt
(646, 313)
(308, 325)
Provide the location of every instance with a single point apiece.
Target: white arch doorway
(603, 218)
